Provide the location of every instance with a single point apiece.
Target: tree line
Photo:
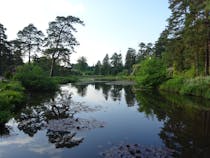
(56, 47)
(114, 64)
(184, 44)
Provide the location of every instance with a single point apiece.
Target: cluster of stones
(137, 151)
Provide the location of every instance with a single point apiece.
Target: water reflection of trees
(105, 90)
(109, 90)
(186, 124)
(129, 96)
(58, 117)
(4, 131)
(116, 92)
(81, 89)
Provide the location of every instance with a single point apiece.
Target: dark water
(81, 121)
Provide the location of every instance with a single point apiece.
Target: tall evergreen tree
(31, 39)
(98, 68)
(116, 62)
(60, 41)
(106, 66)
(82, 64)
(130, 59)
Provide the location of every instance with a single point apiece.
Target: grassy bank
(11, 95)
(112, 78)
(65, 79)
(199, 86)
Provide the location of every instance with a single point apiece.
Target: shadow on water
(57, 116)
(4, 131)
(186, 127)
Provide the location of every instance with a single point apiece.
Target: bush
(151, 73)
(173, 85)
(4, 117)
(199, 86)
(33, 78)
(11, 94)
(10, 97)
(12, 85)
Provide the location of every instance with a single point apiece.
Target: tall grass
(11, 94)
(199, 86)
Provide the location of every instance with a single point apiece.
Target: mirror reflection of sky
(123, 123)
(111, 115)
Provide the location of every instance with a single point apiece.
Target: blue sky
(110, 25)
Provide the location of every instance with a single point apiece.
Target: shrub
(151, 73)
(12, 85)
(173, 85)
(10, 97)
(199, 86)
(33, 78)
(4, 117)
(11, 94)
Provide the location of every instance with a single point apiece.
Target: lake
(86, 120)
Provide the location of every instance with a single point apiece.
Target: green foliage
(198, 86)
(4, 117)
(152, 72)
(11, 94)
(12, 85)
(60, 41)
(130, 59)
(82, 63)
(31, 39)
(33, 78)
(106, 66)
(10, 97)
(116, 63)
(173, 85)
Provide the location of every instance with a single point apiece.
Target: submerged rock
(63, 139)
(75, 125)
(137, 151)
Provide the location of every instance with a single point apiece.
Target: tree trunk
(207, 58)
(52, 67)
(207, 46)
(29, 55)
(196, 64)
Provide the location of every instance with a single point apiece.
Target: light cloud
(15, 15)
(16, 141)
(43, 149)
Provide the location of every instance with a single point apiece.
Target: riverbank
(198, 86)
(11, 95)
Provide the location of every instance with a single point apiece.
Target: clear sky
(110, 25)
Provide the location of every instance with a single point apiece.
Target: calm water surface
(84, 120)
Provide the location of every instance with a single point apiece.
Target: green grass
(112, 78)
(199, 86)
(11, 94)
(173, 85)
(65, 79)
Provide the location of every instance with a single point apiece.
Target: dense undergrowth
(11, 95)
(152, 74)
(198, 86)
(33, 78)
